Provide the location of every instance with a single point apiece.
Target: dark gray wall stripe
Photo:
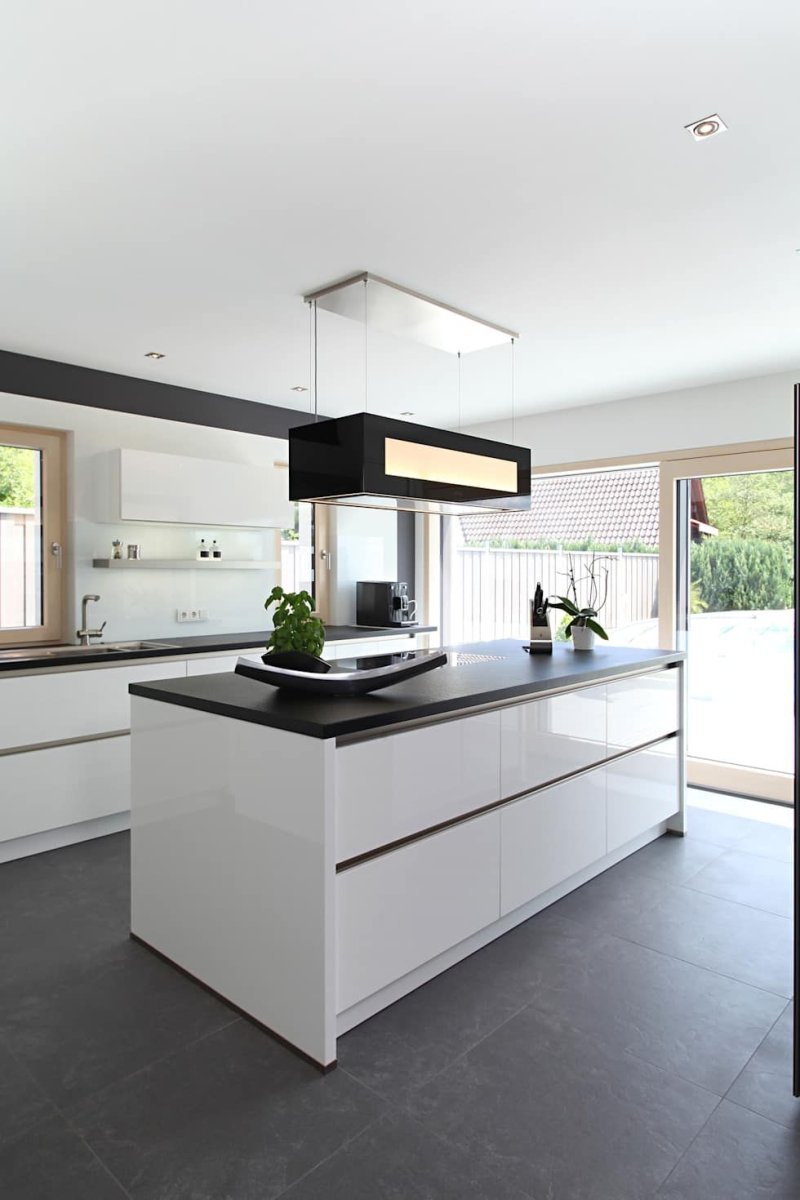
(26, 376)
(406, 556)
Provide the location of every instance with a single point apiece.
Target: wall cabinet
(140, 485)
(400, 910)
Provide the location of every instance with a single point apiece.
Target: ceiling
(176, 175)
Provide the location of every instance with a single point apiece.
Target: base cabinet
(401, 909)
(49, 789)
(642, 791)
(549, 836)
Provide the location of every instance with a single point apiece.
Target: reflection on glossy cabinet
(545, 739)
(642, 708)
(550, 835)
(400, 910)
(390, 787)
(642, 790)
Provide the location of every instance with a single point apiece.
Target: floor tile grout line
(348, 1141)
(80, 1100)
(621, 937)
(769, 1033)
(742, 904)
(681, 1157)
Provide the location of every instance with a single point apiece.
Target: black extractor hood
(369, 460)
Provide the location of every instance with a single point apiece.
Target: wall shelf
(184, 564)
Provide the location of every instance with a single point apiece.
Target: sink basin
(77, 651)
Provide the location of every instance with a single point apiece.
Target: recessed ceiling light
(154, 354)
(707, 127)
(299, 388)
(407, 414)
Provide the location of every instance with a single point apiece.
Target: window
(31, 535)
(297, 551)
(609, 518)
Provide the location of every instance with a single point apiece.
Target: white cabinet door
(545, 739)
(180, 490)
(401, 909)
(642, 708)
(390, 787)
(215, 666)
(47, 789)
(54, 707)
(369, 647)
(642, 791)
(547, 837)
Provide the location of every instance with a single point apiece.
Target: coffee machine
(384, 603)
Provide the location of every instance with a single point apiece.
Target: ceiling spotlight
(408, 413)
(299, 388)
(154, 354)
(700, 130)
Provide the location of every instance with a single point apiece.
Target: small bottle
(202, 550)
(216, 551)
(116, 547)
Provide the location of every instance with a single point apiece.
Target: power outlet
(191, 614)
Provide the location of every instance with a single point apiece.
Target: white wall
(741, 411)
(142, 604)
(364, 546)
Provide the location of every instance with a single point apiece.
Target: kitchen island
(312, 860)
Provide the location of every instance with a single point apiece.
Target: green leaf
(596, 628)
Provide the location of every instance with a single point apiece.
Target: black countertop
(490, 672)
(204, 644)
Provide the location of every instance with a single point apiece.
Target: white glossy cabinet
(642, 709)
(216, 666)
(60, 786)
(545, 739)
(551, 835)
(400, 910)
(642, 791)
(179, 490)
(57, 706)
(369, 646)
(390, 787)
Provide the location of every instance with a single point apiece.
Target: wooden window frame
(52, 445)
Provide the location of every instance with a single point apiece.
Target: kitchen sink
(77, 651)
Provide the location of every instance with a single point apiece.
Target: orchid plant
(595, 580)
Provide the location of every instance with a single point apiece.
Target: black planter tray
(347, 677)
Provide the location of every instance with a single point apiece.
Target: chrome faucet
(85, 635)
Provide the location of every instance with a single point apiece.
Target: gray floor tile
(552, 1112)
(738, 1156)
(765, 1085)
(234, 1115)
(702, 1026)
(397, 1159)
(764, 883)
(771, 841)
(723, 828)
(609, 901)
(52, 1163)
(100, 868)
(669, 858)
(95, 1023)
(22, 1102)
(733, 939)
(410, 1042)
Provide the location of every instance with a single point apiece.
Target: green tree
(17, 477)
(740, 574)
(759, 507)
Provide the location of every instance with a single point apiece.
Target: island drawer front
(399, 910)
(55, 707)
(48, 789)
(642, 790)
(549, 836)
(642, 709)
(545, 739)
(388, 788)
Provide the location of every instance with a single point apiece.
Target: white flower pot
(582, 637)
